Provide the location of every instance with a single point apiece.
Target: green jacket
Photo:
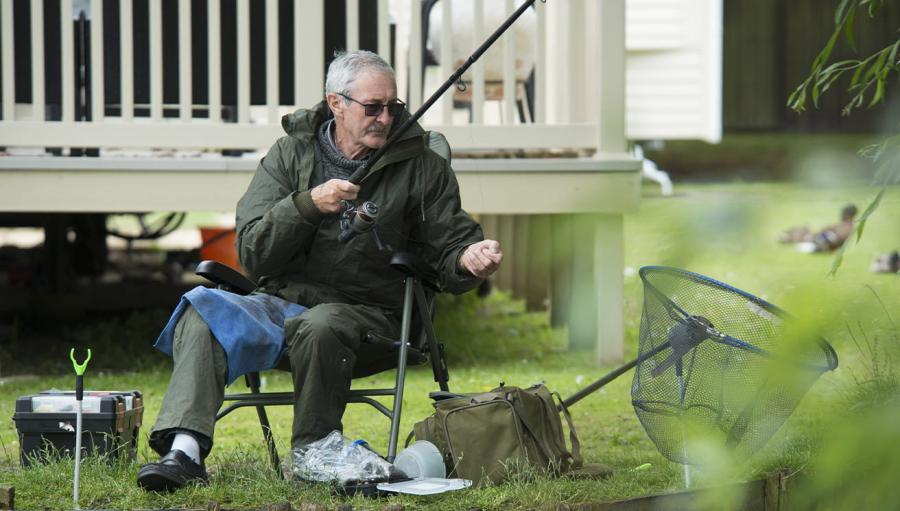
(293, 251)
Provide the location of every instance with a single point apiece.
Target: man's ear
(335, 104)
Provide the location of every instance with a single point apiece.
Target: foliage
(876, 382)
(867, 87)
(868, 73)
(501, 338)
(858, 452)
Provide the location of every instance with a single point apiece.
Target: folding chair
(419, 288)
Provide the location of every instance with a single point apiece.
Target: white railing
(185, 124)
(579, 104)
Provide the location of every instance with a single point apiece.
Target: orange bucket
(218, 245)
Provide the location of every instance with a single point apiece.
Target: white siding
(674, 69)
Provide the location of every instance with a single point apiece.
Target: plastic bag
(335, 458)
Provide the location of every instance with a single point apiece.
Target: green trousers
(325, 350)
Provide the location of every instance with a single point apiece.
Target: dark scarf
(335, 164)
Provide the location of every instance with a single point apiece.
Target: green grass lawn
(726, 231)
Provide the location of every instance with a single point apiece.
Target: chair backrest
(437, 142)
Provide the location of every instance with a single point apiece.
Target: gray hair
(348, 65)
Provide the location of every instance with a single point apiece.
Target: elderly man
(317, 297)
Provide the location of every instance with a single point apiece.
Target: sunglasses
(374, 109)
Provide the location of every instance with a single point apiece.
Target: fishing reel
(357, 219)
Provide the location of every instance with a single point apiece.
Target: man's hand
(328, 195)
(481, 259)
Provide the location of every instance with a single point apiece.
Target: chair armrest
(412, 265)
(225, 277)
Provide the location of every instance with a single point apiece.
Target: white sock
(188, 445)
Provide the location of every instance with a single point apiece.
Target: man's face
(353, 126)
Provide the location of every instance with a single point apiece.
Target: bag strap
(532, 431)
(577, 460)
(575, 455)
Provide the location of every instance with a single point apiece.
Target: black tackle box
(110, 422)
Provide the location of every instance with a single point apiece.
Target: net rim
(644, 271)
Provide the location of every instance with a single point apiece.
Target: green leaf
(886, 156)
(848, 29)
(860, 227)
(879, 93)
(892, 58)
(856, 76)
(874, 6)
(797, 99)
(825, 54)
(836, 262)
(839, 12)
(881, 61)
(873, 68)
(861, 223)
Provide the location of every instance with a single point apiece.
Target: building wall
(769, 47)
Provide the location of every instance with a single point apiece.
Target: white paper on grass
(426, 486)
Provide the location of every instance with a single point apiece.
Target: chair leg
(253, 382)
(405, 327)
(438, 364)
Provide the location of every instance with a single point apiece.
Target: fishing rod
(358, 219)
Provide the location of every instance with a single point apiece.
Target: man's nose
(384, 117)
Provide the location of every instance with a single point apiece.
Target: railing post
(185, 86)
(126, 46)
(309, 42)
(415, 57)
(9, 83)
(610, 92)
(243, 61)
(38, 102)
(98, 96)
(478, 66)
(609, 247)
(609, 288)
(214, 66)
(66, 15)
(272, 72)
(509, 71)
(352, 24)
(446, 57)
(384, 31)
(156, 62)
(540, 66)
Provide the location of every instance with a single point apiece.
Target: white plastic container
(421, 460)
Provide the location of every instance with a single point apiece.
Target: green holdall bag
(481, 435)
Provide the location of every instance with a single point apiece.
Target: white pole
(687, 468)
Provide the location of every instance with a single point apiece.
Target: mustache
(378, 129)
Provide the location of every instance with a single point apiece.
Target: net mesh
(718, 365)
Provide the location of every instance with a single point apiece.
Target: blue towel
(250, 328)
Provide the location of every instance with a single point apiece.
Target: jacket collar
(303, 123)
